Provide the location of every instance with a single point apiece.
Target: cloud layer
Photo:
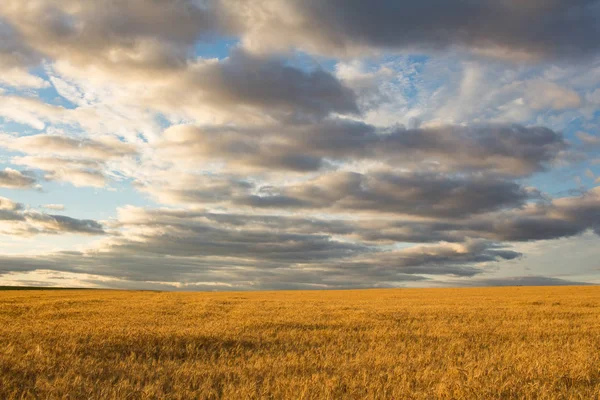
(228, 144)
(503, 149)
(544, 28)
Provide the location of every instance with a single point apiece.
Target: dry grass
(418, 344)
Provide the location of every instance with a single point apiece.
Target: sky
(299, 144)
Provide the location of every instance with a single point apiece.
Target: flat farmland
(488, 343)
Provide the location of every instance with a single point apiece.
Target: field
(403, 344)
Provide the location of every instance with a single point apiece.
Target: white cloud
(54, 207)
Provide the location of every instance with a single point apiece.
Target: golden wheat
(402, 344)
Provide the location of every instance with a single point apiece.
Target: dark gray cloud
(503, 149)
(369, 269)
(141, 271)
(505, 28)
(66, 224)
(438, 259)
(559, 218)
(516, 281)
(251, 88)
(515, 226)
(262, 246)
(562, 217)
(543, 220)
(189, 234)
(270, 84)
(423, 194)
(13, 179)
(277, 223)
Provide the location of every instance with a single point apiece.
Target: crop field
(492, 343)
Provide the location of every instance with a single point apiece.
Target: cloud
(504, 149)
(13, 179)
(243, 88)
(9, 205)
(563, 217)
(155, 233)
(270, 84)
(558, 218)
(588, 139)
(249, 88)
(79, 172)
(194, 188)
(374, 192)
(506, 29)
(17, 77)
(517, 281)
(15, 59)
(128, 271)
(543, 95)
(136, 35)
(80, 161)
(544, 220)
(246, 251)
(17, 220)
(29, 111)
(199, 249)
(55, 207)
(149, 49)
(151, 38)
(288, 175)
(13, 51)
(439, 259)
(61, 223)
(421, 194)
(453, 89)
(60, 145)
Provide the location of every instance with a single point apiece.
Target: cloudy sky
(299, 144)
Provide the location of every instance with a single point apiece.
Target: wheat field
(493, 343)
